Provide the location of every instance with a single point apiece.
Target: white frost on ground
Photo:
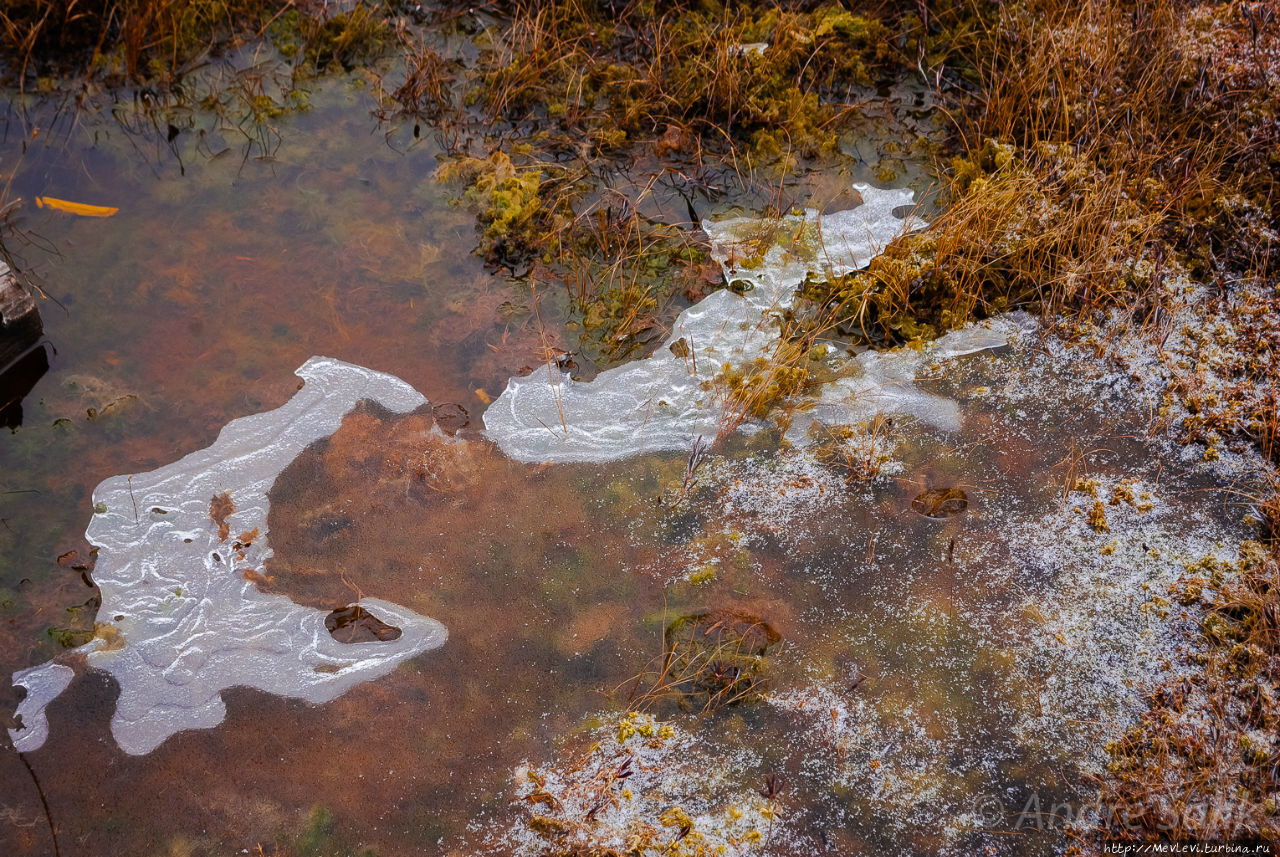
(1056, 626)
(633, 785)
(1094, 659)
(175, 593)
(1060, 668)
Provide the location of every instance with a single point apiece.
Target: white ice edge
(659, 403)
(43, 683)
(192, 625)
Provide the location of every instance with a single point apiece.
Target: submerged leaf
(941, 502)
(80, 208)
(354, 624)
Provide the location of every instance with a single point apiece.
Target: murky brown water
(926, 664)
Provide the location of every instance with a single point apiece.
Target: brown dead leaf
(247, 538)
(941, 502)
(255, 577)
(80, 208)
(110, 635)
(221, 508)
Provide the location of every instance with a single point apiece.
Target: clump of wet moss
(352, 35)
(774, 77)
(507, 198)
(1201, 763)
(753, 390)
(622, 271)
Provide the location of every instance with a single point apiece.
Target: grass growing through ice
(587, 131)
(1100, 151)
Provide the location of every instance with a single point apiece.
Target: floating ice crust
(191, 625)
(43, 683)
(662, 403)
(881, 382)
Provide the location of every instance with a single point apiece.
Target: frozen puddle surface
(968, 554)
(665, 402)
(181, 619)
(964, 630)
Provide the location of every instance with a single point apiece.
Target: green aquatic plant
(318, 836)
(508, 201)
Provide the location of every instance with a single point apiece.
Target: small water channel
(929, 627)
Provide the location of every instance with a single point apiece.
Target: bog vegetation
(1093, 154)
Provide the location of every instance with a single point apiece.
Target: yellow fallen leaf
(482, 395)
(80, 208)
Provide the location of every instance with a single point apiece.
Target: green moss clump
(507, 198)
(753, 390)
(775, 78)
(346, 39)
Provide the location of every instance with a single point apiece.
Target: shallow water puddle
(935, 675)
(963, 555)
(180, 619)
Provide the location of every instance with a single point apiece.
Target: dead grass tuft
(710, 660)
(1105, 148)
(158, 40)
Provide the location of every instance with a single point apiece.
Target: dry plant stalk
(710, 660)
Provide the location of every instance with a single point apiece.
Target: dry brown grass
(614, 73)
(59, 42)
(1109, 147)
(1105, 147)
